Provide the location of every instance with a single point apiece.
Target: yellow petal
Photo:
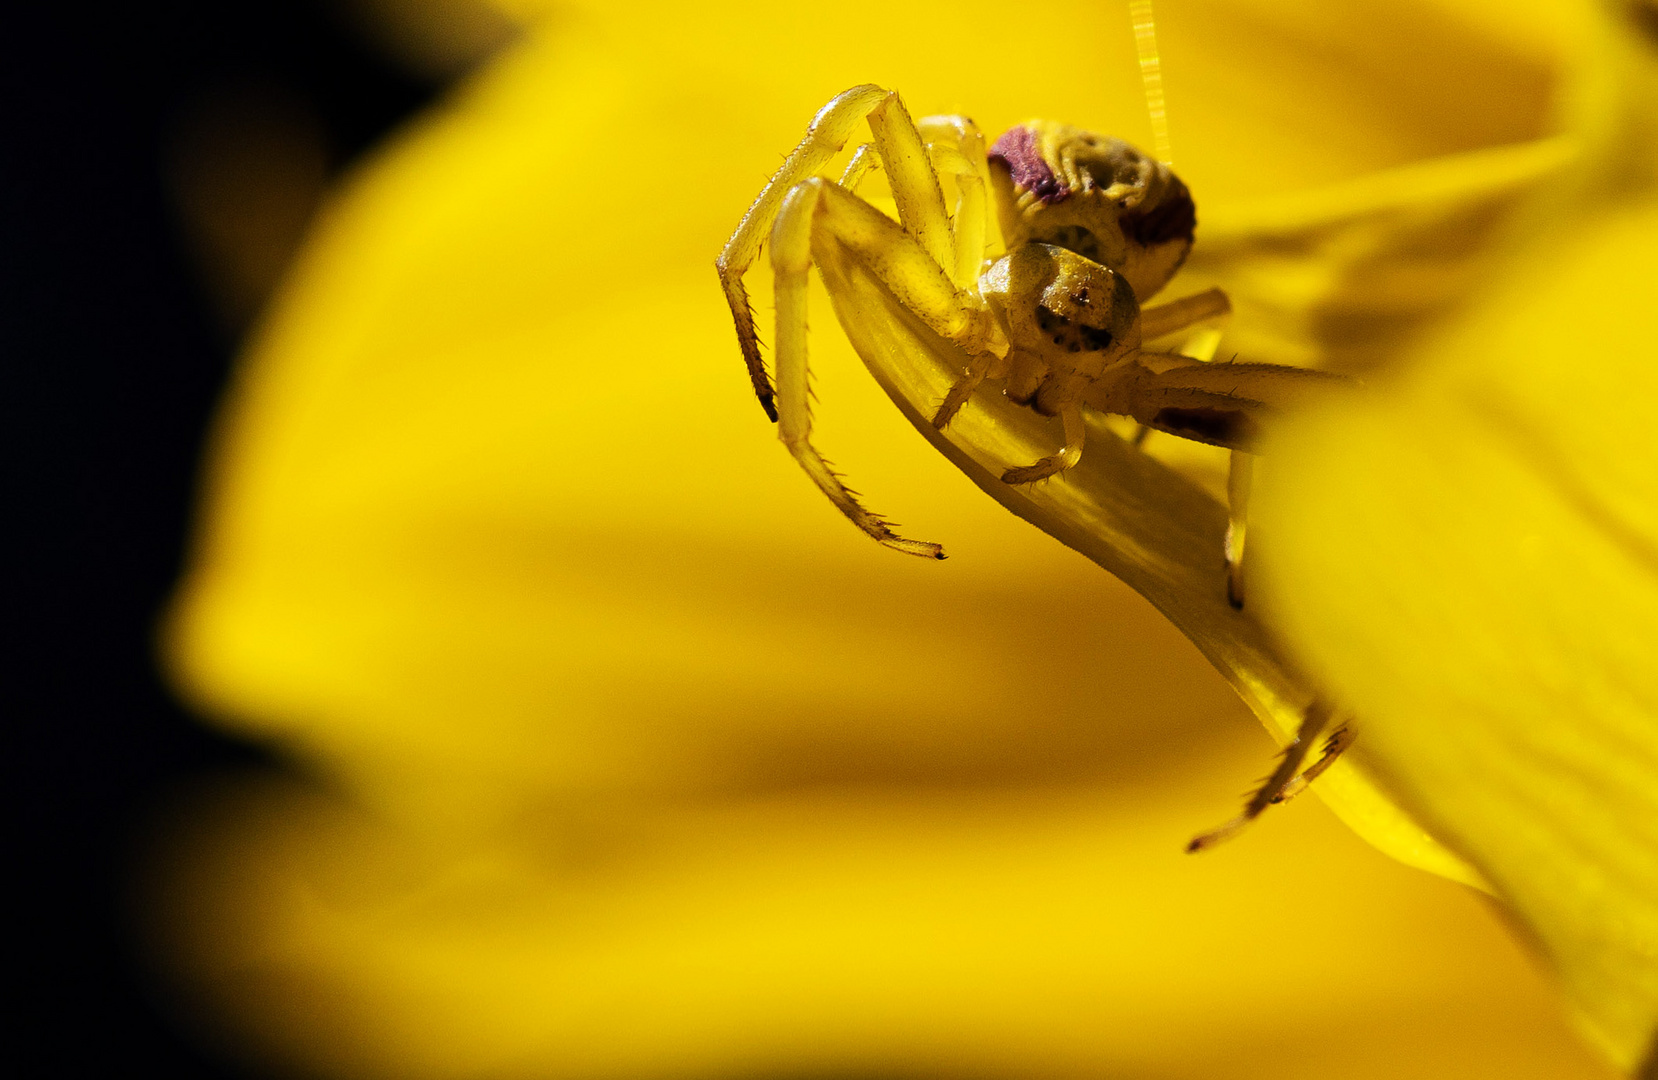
(986, 932)
(1471, 558)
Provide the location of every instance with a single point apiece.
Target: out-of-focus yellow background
(617, 753)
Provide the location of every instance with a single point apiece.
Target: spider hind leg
(1288, 779)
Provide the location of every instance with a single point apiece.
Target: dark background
(115, 342)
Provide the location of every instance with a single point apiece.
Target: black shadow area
(114, 351)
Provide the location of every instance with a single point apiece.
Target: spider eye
(1071, 334)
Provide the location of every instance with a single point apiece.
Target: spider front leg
(818, 217)
(955, 147)
(914, 188)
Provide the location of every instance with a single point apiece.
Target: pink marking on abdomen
(1017, 147)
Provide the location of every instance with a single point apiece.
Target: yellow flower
(629, 757)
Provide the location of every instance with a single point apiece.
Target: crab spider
(1092, 228)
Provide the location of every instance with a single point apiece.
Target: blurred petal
(1005, 933)
(1342, 278)
(1471, 558)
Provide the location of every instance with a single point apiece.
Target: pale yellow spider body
(1091, 229)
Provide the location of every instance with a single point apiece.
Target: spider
(1091, 227)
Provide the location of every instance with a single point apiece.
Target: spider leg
(967, 226)
(815, 214)
(956, 148)
(1219, 404)
(1240, 478)
(863, 160)
(978, 370)
(1284, 778)
(1162, 320)
(914, 187)
(953, 157)
(1075, 431)
(1334, 746)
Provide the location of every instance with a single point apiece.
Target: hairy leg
(914, 186)
(1075, 431)
(1219, 404)
(1161, 320)
(982, 367)
(956, 148)
(1334, 745)
(817, 213)
(1313, 722)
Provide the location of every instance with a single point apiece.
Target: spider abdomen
(1094, 195)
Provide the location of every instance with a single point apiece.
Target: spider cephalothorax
(1067, 320)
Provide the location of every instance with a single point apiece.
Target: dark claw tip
(771, 410)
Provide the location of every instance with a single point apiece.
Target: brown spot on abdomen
(1173, 218)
